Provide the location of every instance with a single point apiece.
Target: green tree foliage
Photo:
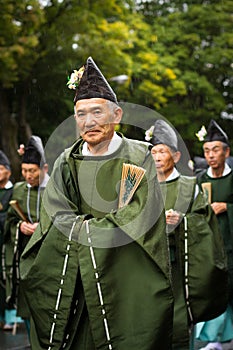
(177, 57)
(43, 41)
(19, 39)
(197, 37)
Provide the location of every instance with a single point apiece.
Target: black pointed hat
(4, 160)
(89, 82)
(215, 133)
(163, 133)
(34, 152)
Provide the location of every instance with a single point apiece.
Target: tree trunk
(13, 128)
(8, 135)
(24, 131)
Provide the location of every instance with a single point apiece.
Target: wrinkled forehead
(161, 147)
(90, 103)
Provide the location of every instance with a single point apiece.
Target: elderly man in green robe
(191, 224)
(20, 224)
(96, 272)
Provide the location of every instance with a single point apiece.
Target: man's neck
(168, 176)
(3, 183)
(161, 177)
(217, 172)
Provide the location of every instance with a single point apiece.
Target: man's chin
(91, 141)
(94, 140)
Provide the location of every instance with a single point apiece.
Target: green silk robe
(29, 199)
(180, 195)
(220, 328)
(95, 276)
(222, 191)
(181, 325)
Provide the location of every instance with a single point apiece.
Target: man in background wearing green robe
(20, 228)
(219, 179)
(96, 275)
(184, 204)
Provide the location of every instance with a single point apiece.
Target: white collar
(174, 175)
(112, 147)
(226, 171)
(8, 185)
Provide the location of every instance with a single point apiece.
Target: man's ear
(176, 157)
(227, 152)
(117, 115)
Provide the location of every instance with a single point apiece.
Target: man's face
(164, 159)
(215, 154)
(4, 174)
(96, 120)
(32, 174)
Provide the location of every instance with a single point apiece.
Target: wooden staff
(15, 205)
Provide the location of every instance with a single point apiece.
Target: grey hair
(112, 105)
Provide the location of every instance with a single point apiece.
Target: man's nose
(90, 120)
(157, 157)
(211, 153)
(27, 176)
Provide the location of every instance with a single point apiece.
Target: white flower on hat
(201, 133)
(21, 150)
(149, 133)
(75, 77)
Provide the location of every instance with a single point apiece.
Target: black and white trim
(59, 293)
(186, 269)
(98, 286)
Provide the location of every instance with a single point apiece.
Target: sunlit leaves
(18, 37)
(195, 41)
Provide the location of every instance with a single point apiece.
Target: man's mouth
(91, 131)
(158, 165)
